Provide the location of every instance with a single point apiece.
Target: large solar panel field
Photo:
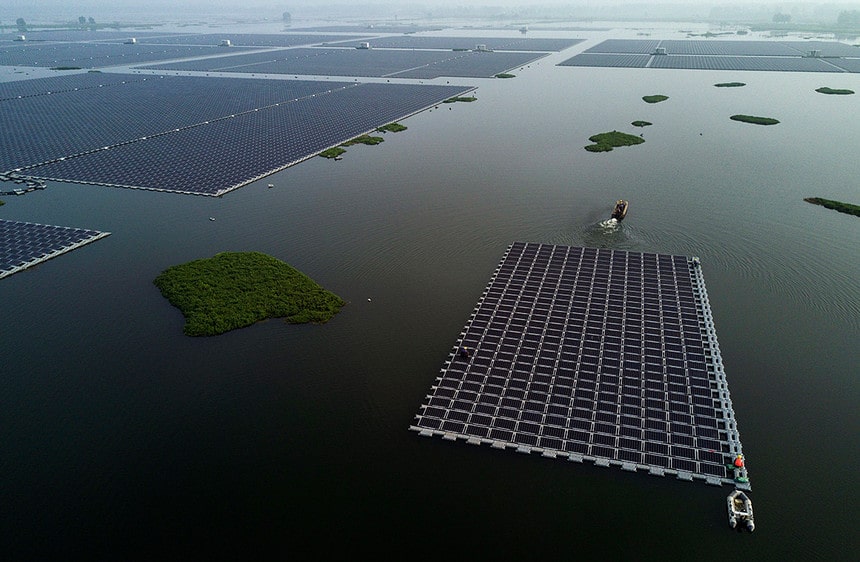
(25, 244)
(191, 134)
(376, 63)
(448, 43)
(96, 55)
(777, 56)
(597, 355)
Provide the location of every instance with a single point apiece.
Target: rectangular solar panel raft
(598, 355)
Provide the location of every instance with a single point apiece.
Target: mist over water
(124, 439)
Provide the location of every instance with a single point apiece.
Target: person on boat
(739, 461)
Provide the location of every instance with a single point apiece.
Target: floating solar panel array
(362, 62)
(778, 56)
(88, 35)
(95, 55)
(365, 29)
(448, 43)
(249, 39)
(25, 244)
(98, 113)
(220, 154)
(596, 355)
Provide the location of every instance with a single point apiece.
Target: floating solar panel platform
(592, 355)
(765, 56)
(448, 43)
(276, 124)
(25, 244)
(377, 63)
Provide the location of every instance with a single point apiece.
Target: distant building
(225, 43)
(482, 48)
(20, 38)
(660, 51)
(131, 41)
(363, 45)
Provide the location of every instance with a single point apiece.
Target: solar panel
(25, 244)
(592, 395)
(450, 43)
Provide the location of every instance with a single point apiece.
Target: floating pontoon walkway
(25, 244)
(597, 355)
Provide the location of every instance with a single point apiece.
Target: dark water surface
(122, 439)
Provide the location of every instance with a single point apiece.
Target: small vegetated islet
(754, 119)
(834, 91)
(729, 84)
(656, 98)
(505, 75)
(391, 128)
(236, 289)
(605, 142)
(846, 208)
(641, 123)
(460, 98)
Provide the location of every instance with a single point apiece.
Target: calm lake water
(122, 439)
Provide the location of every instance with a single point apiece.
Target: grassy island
(65, 68)
(605, 142)
(460, 98)
(754, 119)
(729, 84)
(847, 208)
(364, 139)
(236, 289)
(834, 91)
(657, 98)
(505, 75)
(391, 128)
(333, 152)
(641, 123)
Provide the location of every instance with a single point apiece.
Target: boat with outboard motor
(740, 510)
(620, 210)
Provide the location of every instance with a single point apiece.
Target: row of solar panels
(95, 55)
(696, 62)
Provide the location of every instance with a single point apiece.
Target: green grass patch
(834, 91)
(364, 139)
(460, 98)
(505, 75)
(657, 98)
(605, 142)
(754, 119)
(333, 152)
(2, 202)
(729, 84)
(236, 289)
(847, 208)
(460, 49)
(641, 123)
(65, 68)
(391, 128)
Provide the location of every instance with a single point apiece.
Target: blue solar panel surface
(68, 122)
(24, 244)
(778, 56)
(249, 39)
(494, 43)
(361, 62)
(215, 157)
(594, 355)
(95, 55)
(627, 60)
(777, 64)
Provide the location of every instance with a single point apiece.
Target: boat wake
(609, 224)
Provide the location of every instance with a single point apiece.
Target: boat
(740, 510)
(620, 210)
